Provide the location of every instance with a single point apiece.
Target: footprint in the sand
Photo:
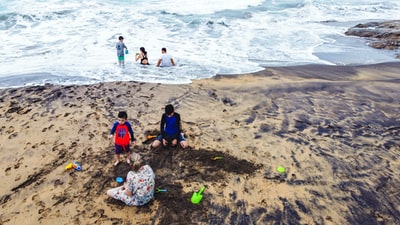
(93, 114)
(13, 135)
(145, 104)
(38, 202)
(10, 130)
(58, 182)
(91, 135)
(18, 164)
(17, 177)
(151, 97)
(34, 116)
(44, 114)
(8, 171)
(47, 128)
(58, 147)
(83, 155)
(35, 146)
(42, 210)
(139, 114)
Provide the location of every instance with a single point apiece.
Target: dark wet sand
(335, 130)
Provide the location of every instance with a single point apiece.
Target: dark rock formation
(382, 35)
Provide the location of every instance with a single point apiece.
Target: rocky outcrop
(382, 35)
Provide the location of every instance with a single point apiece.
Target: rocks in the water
(383, 35)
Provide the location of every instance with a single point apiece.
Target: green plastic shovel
(197, 196)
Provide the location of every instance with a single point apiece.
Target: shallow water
(73, 42)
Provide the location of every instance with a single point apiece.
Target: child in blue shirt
(120, 46)
(170, 129)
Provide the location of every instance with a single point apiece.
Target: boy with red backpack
(123, 136)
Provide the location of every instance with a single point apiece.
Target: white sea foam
(74, 41)
(184, 7)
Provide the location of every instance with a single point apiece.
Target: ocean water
(73, 42)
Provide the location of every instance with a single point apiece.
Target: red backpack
(122, 135)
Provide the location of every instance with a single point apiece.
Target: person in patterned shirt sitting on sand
(138, 188)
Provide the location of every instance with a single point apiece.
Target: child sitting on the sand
(138, 188)
(123, 136)
(170, 129)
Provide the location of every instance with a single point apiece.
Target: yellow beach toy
(69, 166)
(74, 165)
(216, 158)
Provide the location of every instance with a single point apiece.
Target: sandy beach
(334, 129)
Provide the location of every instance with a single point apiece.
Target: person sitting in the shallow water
(142, 55)
(138, 188)
(165, 59)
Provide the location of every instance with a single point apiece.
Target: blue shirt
(170, 127)
(120, 46)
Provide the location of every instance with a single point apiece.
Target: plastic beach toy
(216, 158)
(74, 165)
(161, 190)
(280, 169)
(197, 196)
(126, 51)
(119, 180)
(77, 166)
(69, 166)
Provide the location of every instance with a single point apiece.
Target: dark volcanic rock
(383, 35)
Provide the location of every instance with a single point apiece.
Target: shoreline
(318, 69)
(266, 71)
(334, 128)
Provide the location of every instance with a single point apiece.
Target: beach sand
(335, 130)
